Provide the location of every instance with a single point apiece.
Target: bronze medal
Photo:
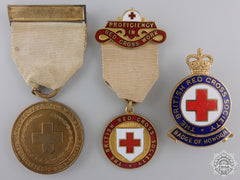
(47, 137)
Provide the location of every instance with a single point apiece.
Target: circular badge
(129, 141)
(200, 104)
(47, 137)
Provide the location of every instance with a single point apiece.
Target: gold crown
(200, 65)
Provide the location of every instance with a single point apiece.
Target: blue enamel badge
(200, 105)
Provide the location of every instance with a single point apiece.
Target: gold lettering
(224, 94)
(119, 120)
(183, 123)
(188, 82)
(107, 150)
(197, 141)
(221, 121)
(182, 88)
(222, 89)
(179, 93)
(110, 24)
(175, 132)
(218, 85)
(213, 82)
(208, 80)
(175, 102)
(175, 111)
(199, 79)
(138, 119)
(144, 40)
(212, 128)
(178, 116)
(120, 41)
(112, 126)
(106, 32)
(153, 146)
(194, 80)
(151, 133)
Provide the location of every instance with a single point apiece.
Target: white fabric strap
(48, 53)
(131, 73)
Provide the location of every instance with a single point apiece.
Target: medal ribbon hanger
(130, 55)
(130, 68)
(48, 44)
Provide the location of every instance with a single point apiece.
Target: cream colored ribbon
(131, 73)
(48, 53)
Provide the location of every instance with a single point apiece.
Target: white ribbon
(131, 73)
(48, 53)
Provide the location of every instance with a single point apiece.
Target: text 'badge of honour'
(200, 105)
(130, 69)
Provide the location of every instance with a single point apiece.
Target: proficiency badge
(130, 69)
(200, 104)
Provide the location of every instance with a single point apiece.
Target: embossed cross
(47, 137)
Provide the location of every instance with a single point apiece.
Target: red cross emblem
(130, 142)
(132, 15)
(202, 105)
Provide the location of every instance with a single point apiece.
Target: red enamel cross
(130, 142)
(132, 15)
(202, 105)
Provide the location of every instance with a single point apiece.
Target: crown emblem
(201, 64)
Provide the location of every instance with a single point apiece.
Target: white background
(213, 25)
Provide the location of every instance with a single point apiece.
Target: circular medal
(47, 137)
(129, 141)
(200, 104)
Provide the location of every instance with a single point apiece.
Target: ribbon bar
(47, 13)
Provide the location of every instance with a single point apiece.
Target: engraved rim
(77, 133)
